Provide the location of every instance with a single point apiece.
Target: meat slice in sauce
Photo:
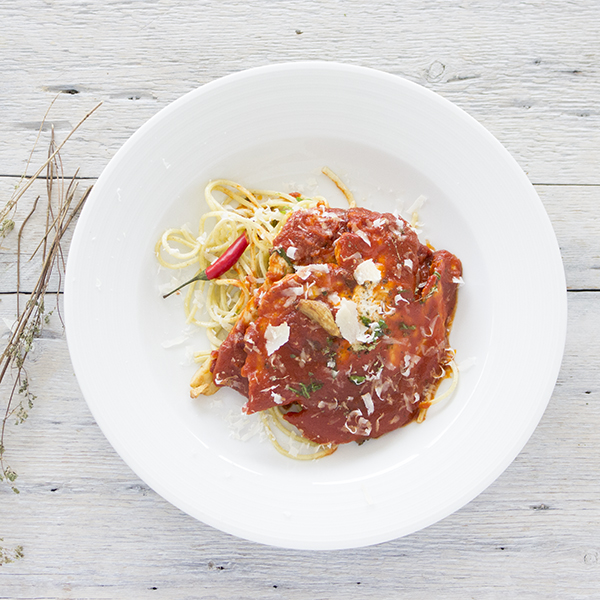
(393, 299)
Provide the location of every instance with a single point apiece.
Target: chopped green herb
(379, 329)
(382, 327)
(431, 292)
(357, 379)
(285, 257)
(306, 390)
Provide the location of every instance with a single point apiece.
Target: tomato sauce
(392, 300)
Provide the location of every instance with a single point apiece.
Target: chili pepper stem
(221, 265)
(201, 276)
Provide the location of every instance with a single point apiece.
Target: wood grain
(527, 70)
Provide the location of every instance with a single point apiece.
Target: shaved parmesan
(334, 298)
(291, 252)
(319, 267)
(363, 236)
(416, 205)
(293, 291)
(368, 400)
(276, 336)
(367, 271)
(347, 321)
(305, 271)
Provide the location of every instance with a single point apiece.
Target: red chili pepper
(221, 265)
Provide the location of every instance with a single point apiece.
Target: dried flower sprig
(60, 211)
(9, 556)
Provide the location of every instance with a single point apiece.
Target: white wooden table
(527, 70)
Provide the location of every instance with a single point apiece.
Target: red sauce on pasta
(392, 300)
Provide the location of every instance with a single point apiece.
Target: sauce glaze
(340, 389)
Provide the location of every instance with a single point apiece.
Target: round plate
(391, 141)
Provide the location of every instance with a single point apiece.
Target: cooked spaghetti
(258, 213)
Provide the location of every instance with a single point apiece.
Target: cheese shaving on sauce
(363, 236)
(368, 400)
(305, 271)
(347, 321)
(276, 336)
(367, 271)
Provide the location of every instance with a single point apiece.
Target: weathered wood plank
(575, 215)
(533, 534)
(528, 71)
(573, 210)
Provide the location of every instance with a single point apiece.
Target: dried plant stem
(19, 193)
(60, 211)
(30, 322)
(19, 253)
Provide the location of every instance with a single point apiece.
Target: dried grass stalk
(61, 209)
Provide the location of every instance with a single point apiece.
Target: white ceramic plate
(390, 140)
